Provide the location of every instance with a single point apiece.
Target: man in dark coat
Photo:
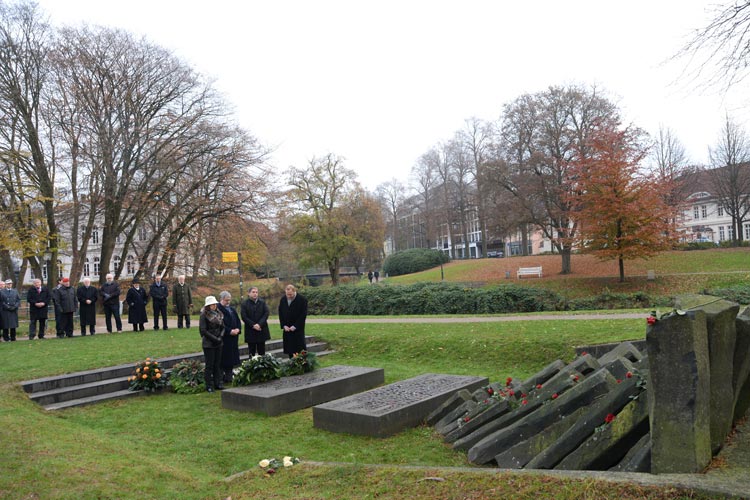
(255, 313)
(110, 292)
(87, 296)
(38, 298)
(230, 352)
(159, 293)
(137, 299)
(54, 295)
(182, 299)
(66, 304)
(10, 302)
(292, 316)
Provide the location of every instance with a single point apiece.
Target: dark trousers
(112, 310)
(256, 348)
(91, 329)
(66, 324)
(58, 326)
(180, 318)
(32, 327)
(213, 373)
(138, 327)
(160, 309)
(9, 334)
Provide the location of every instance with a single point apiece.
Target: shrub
(737, 293)
(187, 377)
(148, 376)
(257, 369)
(302, 362)
(413, 261)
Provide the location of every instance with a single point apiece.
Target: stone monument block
(450, 404)
(623, 350)
(492, 410)
(389, 409)
(638, 459)
(722, 336)
(741, 377)
(542, 375)
(289, 394)
(679, 393)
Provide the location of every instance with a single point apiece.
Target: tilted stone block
(582, 394)
(638, 459)
(611, 403)
(679, 393)
(542, 376)
(451, 404)
(722, 335)
(448, 422)
(623, 350)
(741, 377)
(605, 449)
(470, 423)
(619, 368)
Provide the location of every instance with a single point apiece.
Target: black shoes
(210, 389)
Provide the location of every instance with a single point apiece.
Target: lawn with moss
(180, 446)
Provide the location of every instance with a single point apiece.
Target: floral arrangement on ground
(257, 369)
(271, 465)
(188, 377)
(148, 376)
(301, 362)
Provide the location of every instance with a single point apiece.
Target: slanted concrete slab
(638, 459)
(679, 393)
(389, 409)
(623, 350)
(450, 404)
(542, 375)
(722, 336)
(290, 394)
(741, 377)
(492, 410)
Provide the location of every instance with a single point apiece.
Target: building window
(696, 213)
(730, 232)
(721, 233)
(44, 270)
(130, 265)
(704, 212)
(142, 234)
(86, 268)
(95, 236)
(720, 211)
(747, 231)
(59, 269)
(118, 263)
(96, 266)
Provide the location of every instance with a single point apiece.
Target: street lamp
(47, 257)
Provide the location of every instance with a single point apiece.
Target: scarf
(215, 316)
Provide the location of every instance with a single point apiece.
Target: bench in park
(529, 271)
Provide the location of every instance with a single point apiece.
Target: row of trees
(103, 132)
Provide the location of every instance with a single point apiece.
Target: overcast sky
(379, 83)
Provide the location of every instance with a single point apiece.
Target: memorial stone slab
(638, 459)
(447, 423)
(389, 409)
(678, 393)
(542, 375)
(289, 394)
(722, 336)
(492, 410)
(622, 350)
(741, 377)
(450, 404)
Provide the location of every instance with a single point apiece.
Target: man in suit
(159, 293)
(292, 316)
(38, 298)
(87, 296)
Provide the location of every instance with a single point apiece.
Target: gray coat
(182, 298)
(10, 302)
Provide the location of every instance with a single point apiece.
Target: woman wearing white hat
(212, 332)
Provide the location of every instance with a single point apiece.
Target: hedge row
(451, 298)
(413, 260)
(737, 293)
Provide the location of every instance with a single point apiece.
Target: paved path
(477, 319)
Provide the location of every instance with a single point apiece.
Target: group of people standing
(220, 327)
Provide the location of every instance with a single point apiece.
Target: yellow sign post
(229, 256)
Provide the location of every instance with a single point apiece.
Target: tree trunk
(565, 253)
(621, 263)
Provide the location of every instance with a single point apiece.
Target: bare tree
(425, 180)
(476, 139)
(671, 170)
(730, 177)
(391, 195)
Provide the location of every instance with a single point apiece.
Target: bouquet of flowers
(301, 362)
(257, 369)
(148, 376)
(187, 377)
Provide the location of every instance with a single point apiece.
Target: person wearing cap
(10, 301)
(66, 304)
(38, 298)
(110, 292)
(211, 326)
(137, 299)
(87, 296)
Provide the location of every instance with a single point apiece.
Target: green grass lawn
(184, 446)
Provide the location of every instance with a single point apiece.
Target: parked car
(495, 254)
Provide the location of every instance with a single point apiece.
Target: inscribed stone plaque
(289, 394)
(389, 409)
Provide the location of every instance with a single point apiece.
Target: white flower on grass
(288, 462)
(256, 357)
(264, 463)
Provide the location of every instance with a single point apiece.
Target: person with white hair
(87, 296)
(110, 293)
(9, 302)
(38, 298)
(182, 299)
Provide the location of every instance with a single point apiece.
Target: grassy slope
(173, 446)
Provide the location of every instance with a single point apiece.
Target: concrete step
(99, 374)
(99, 398)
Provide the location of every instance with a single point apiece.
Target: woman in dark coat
(211, 326)
(87, 296)
(292, 316)
(137, 299)
(230, 352)
(10, 301)
(255, 316)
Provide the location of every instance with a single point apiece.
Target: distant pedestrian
(87, 296)
(182, 299)
(377, 276)
(292, 316)
(255, 316)
(211, 326)
(10, 301)
(159, 293)
(137, 299)
(110, 292)
(66, 304)
(369, 276)
(230, 351)
(38, 298)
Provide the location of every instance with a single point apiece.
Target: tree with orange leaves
(621, 213)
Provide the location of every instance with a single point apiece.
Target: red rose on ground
(629, 375)
(490, 391)
(609, 418)
(524, 402)
(651, 320)
(538, 386)
(508, 380)
(554, 396)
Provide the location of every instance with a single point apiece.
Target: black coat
(211, 333)
(110, 293)
(230, 354)
(65, 300)
(137, 300)
(11, 301)
(159, 293)
(88, 311)
(255, 313)
(33, 296)
(293, 314)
